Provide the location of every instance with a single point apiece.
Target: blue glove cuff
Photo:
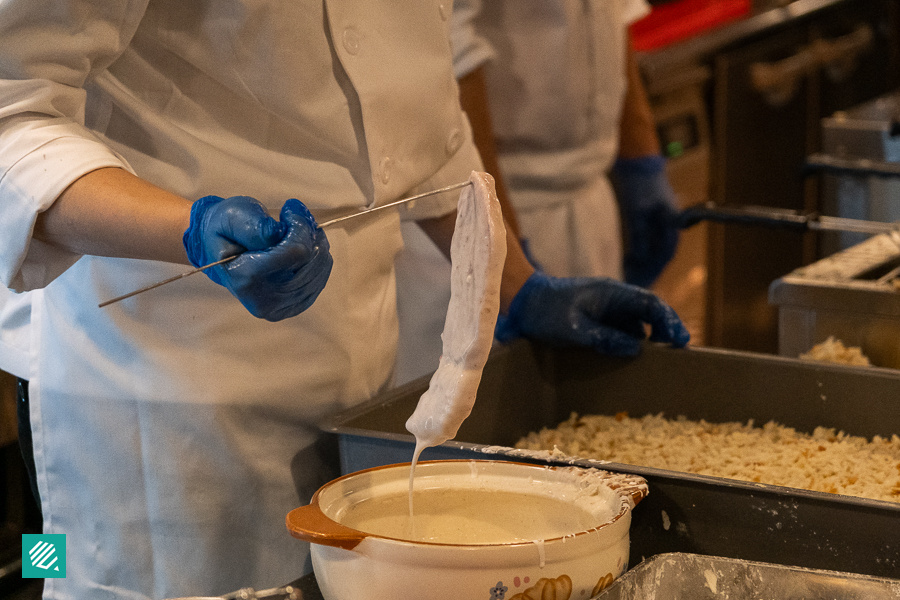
(508, 327)
(192, 240)
(643, 165)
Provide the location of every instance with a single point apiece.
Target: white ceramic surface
(350, 564)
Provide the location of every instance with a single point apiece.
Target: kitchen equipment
(449, 188)
(850, 295)
(282, 593)
(350, 563)
(775, 217)
(773, 76)
(526, 386)
(680, 576)
(860, 166)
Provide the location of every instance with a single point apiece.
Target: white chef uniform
(556, 82)
(173, 431)
(423, 272)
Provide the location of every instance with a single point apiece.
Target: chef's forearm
(110, 212)
(637, 127)
(515, 271)
(474, 100)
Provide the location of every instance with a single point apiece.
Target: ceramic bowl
(472, 558)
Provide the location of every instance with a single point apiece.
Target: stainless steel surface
(860, 164)
(449, 188)
(681, 576)
(849, 295)
(867, 131)
(526, 387)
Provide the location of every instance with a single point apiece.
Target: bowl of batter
(469, 529)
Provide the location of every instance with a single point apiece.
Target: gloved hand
(649, 213)
(284, 266)
(600, 313)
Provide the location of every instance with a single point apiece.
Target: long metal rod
(852, 225)
(449, 188)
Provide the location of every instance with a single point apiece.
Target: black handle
(856, 167)
(745, 215)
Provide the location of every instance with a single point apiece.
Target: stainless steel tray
(526, 387)
(849, 295)
(678, 576)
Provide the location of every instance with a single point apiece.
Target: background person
(558, 107)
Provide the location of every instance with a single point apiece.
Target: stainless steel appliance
(850, 292)
(852, 295)
(860, 159)
(771, 78)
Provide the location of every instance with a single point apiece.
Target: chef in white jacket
(173, 431)
(564, 100)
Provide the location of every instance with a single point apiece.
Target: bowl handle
(309, 523)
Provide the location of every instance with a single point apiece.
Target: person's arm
(516, 270)
(282, 265)
(473, 99)
(599, 313)
(593, 312)
(648, 203)
(637, 128)
(110, 212)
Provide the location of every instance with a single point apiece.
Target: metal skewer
(449, 188)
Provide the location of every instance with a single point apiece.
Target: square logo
(43, 555)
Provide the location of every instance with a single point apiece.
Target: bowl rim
(327, 532)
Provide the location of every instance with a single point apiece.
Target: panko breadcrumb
(825, 461)
(834, 351)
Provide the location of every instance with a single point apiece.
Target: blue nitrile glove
(283, 265)
(649, 213)
(596, 312)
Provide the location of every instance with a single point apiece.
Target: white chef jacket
(173, 431)
(555, 76)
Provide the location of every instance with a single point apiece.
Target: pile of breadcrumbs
(834, 351)
(826, 461)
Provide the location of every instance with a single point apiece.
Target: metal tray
(526, 387)
(678, 576)
(849, 295)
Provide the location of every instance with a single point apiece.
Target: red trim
(677, 21)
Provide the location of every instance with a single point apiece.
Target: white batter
(470, 516)
(477, 254)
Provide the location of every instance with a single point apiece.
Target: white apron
(556, 89)
(173, 431)
(555, 84)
